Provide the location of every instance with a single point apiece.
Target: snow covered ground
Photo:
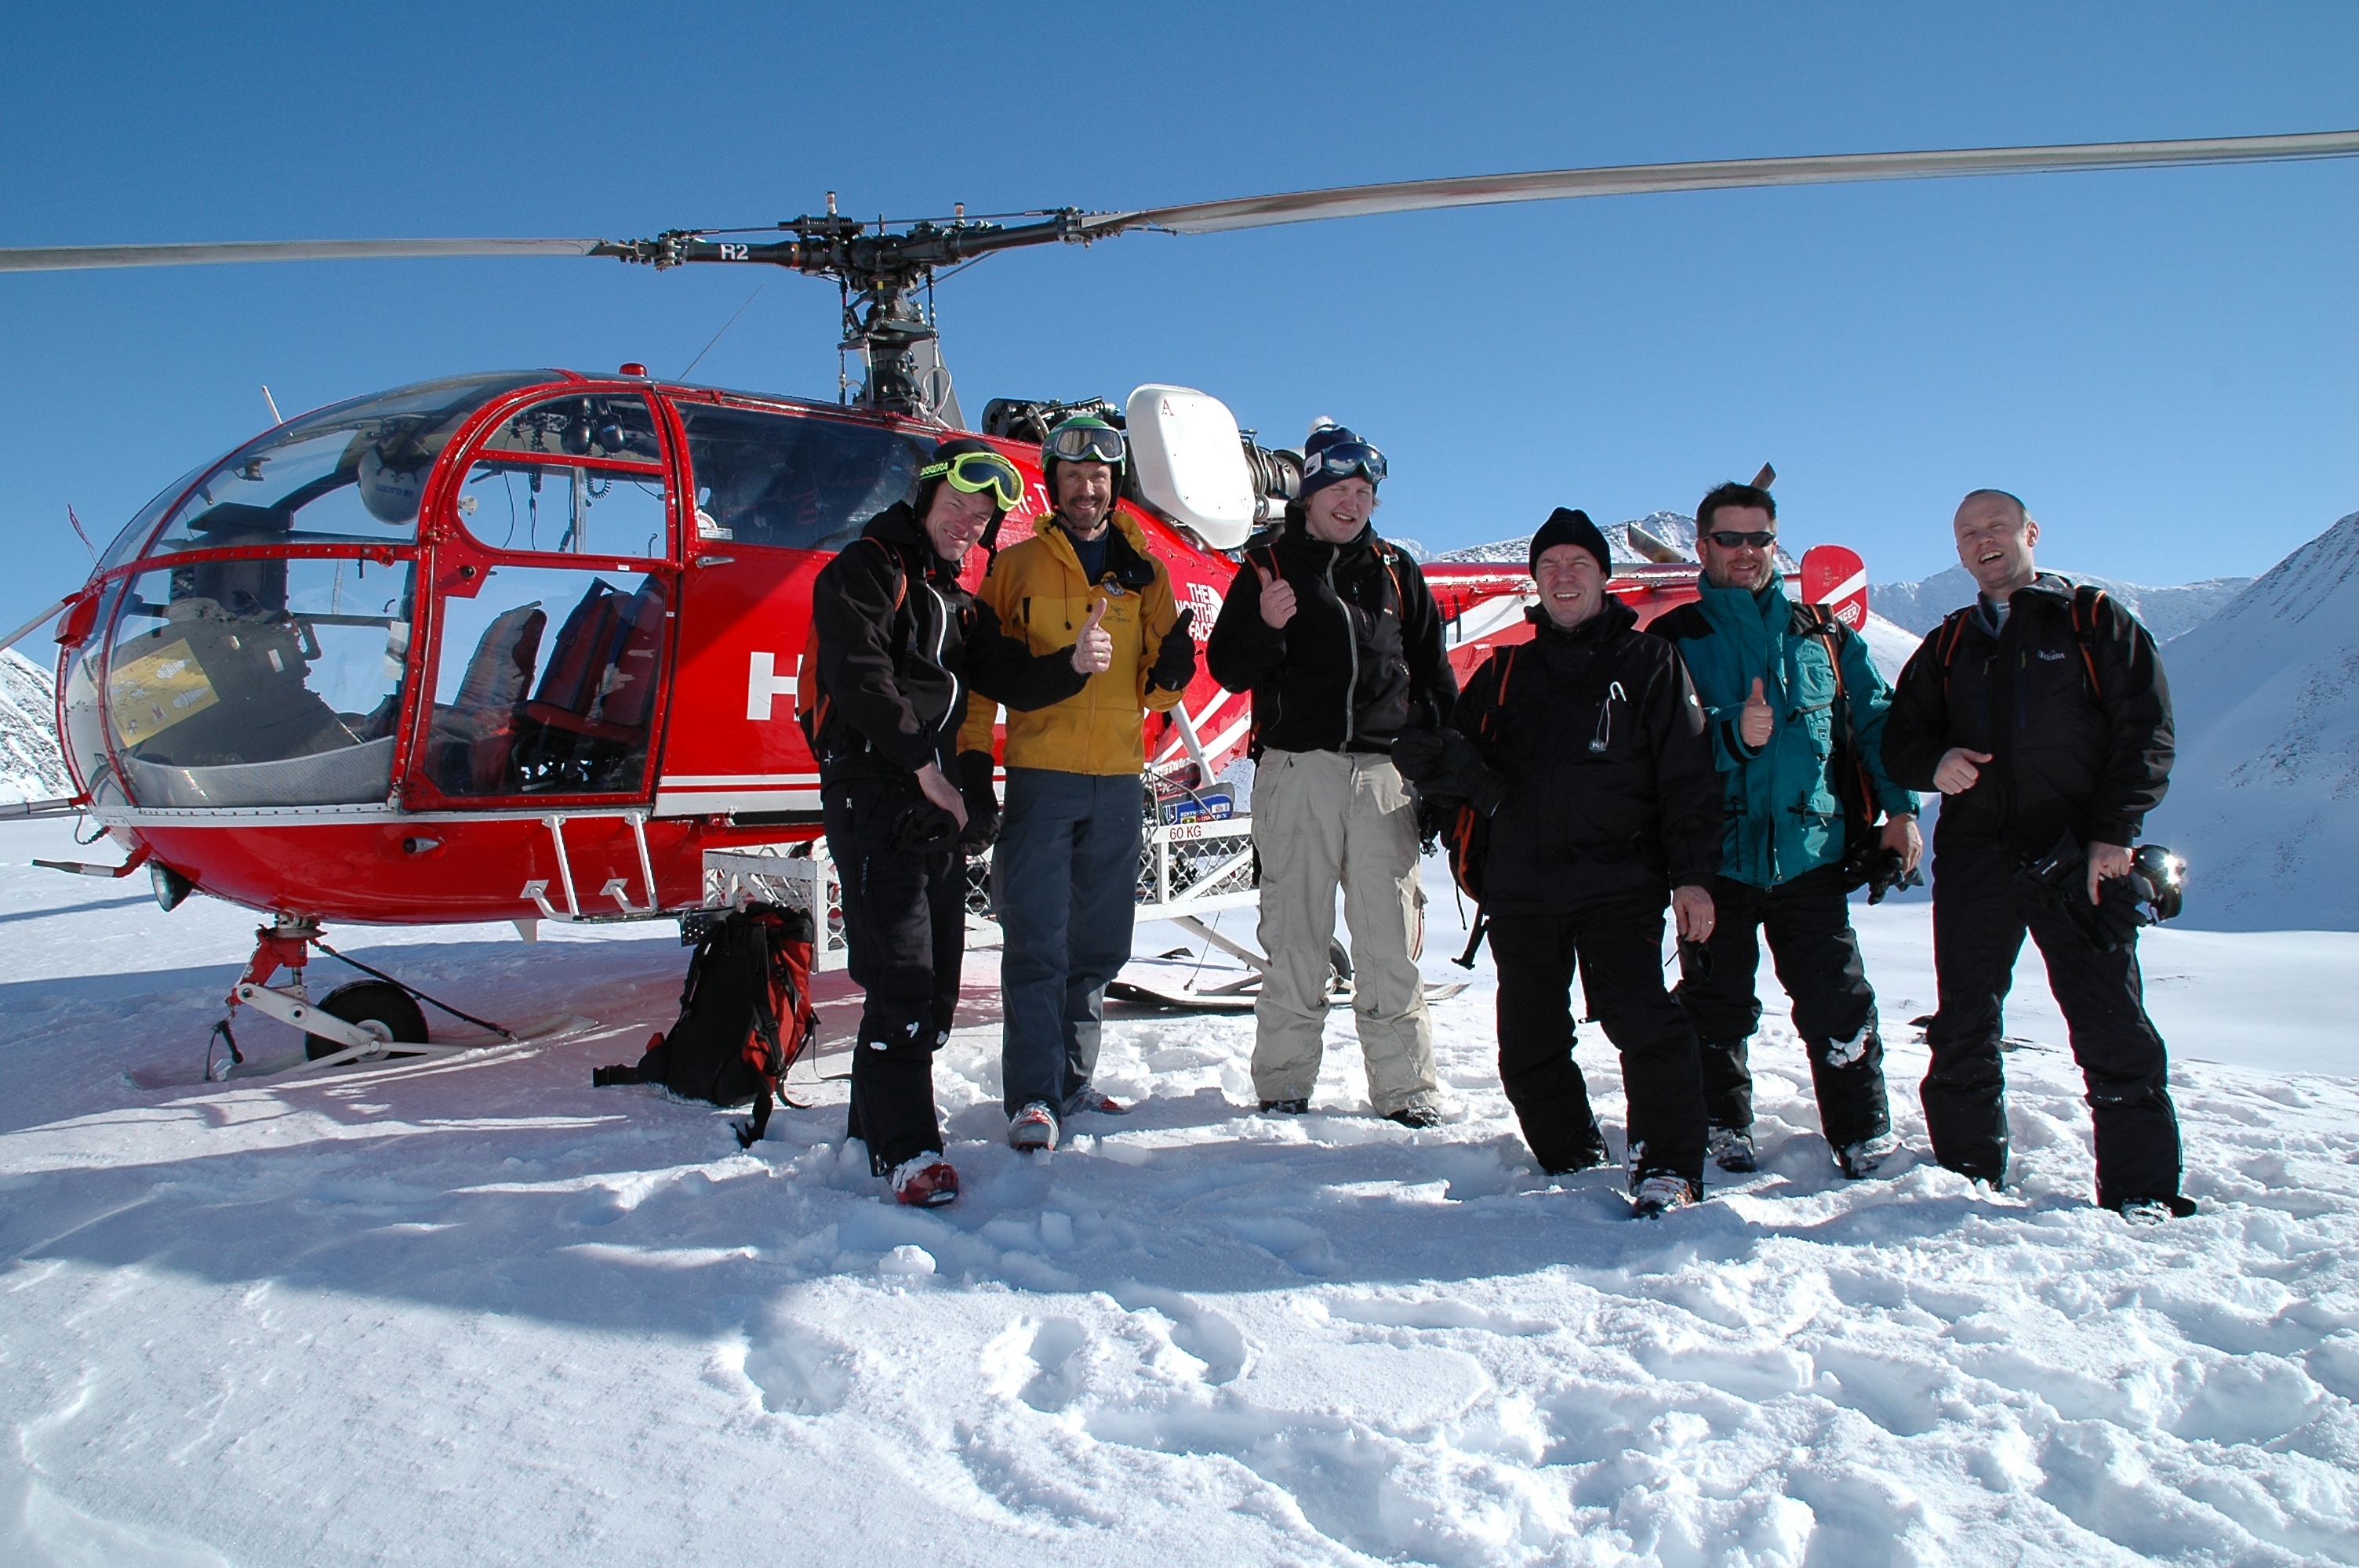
(479, 1312)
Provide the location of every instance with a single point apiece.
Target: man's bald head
(1995, 535)
(2022, 512)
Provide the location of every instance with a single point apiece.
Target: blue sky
(2165, 362)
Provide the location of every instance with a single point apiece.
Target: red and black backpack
(746, 1017)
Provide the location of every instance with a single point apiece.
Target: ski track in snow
(479, 1312)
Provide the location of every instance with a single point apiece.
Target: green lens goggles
(974, 472)
(1078, 442)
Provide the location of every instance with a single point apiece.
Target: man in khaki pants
(1334, 632)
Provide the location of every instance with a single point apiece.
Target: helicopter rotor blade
(1630, 179)
(64, 258)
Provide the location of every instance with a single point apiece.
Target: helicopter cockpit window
(797, 481)
(515, 505)
(522, 493)
(616, 428)
(547, 684)
(353, 473)
(259, 682)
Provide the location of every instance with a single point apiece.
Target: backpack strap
(1833, 634)
(1951, 631)
(1387, 555)
(766, 1029)
(1463, 827)
(1505, 659)
(2086, 599)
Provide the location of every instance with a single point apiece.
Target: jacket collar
(2058, 591)
(1767, 607)
(1126, 554)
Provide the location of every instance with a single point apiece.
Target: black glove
(981, 805)
(1456, 772)
(1418, 753)
(1887, 870)
(2060, 878)
(2120, 910)
(1175, 661)
(923, 829)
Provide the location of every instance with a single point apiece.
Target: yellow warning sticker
(149, 695)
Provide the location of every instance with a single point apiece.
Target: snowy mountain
(2166, 612)
(1672, 528)
(2265, 800)
(30, 766)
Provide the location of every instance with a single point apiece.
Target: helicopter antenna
(724, 328)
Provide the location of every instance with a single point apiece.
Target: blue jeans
(1066, 873)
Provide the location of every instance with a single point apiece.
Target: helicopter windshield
(259, 682)
(350, 473)
(798, 481)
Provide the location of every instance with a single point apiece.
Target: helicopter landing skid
(366, 1041)
(378, 1019)
(1165, 982)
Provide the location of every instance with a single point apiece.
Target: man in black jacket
(2042, 713)
(900, 644)
(1334, 632)
(1586, 749)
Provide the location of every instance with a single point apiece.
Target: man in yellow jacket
(1067, 865)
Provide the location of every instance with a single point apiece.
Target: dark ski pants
(1980, 911)
(904, 926)
(1816, 953)
(1065, 875)
(1619, 949)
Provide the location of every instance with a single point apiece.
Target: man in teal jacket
(1766, 670)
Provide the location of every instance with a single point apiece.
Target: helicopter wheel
(381, 1009)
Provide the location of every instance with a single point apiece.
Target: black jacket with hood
(1361, 661)
(2078, 729)
(1612, 793)
(899, 644)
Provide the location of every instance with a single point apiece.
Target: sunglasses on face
(1728, 539)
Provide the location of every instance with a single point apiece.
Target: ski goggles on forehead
(1346, 459)
(1086, 443)
(975, 472)
(1729, 539)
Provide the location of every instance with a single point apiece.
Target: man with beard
(1783, 688)
(898, 646)
(1066, 871)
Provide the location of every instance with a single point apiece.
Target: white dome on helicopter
(391, 494)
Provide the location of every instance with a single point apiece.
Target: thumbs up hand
(1753, 726)
(1175, 661)
(1277, 604)
(1093, 649)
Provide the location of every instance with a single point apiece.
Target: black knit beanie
(1565, 527)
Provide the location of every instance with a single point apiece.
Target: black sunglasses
(1728, 540)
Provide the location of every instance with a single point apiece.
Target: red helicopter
(524, 645)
